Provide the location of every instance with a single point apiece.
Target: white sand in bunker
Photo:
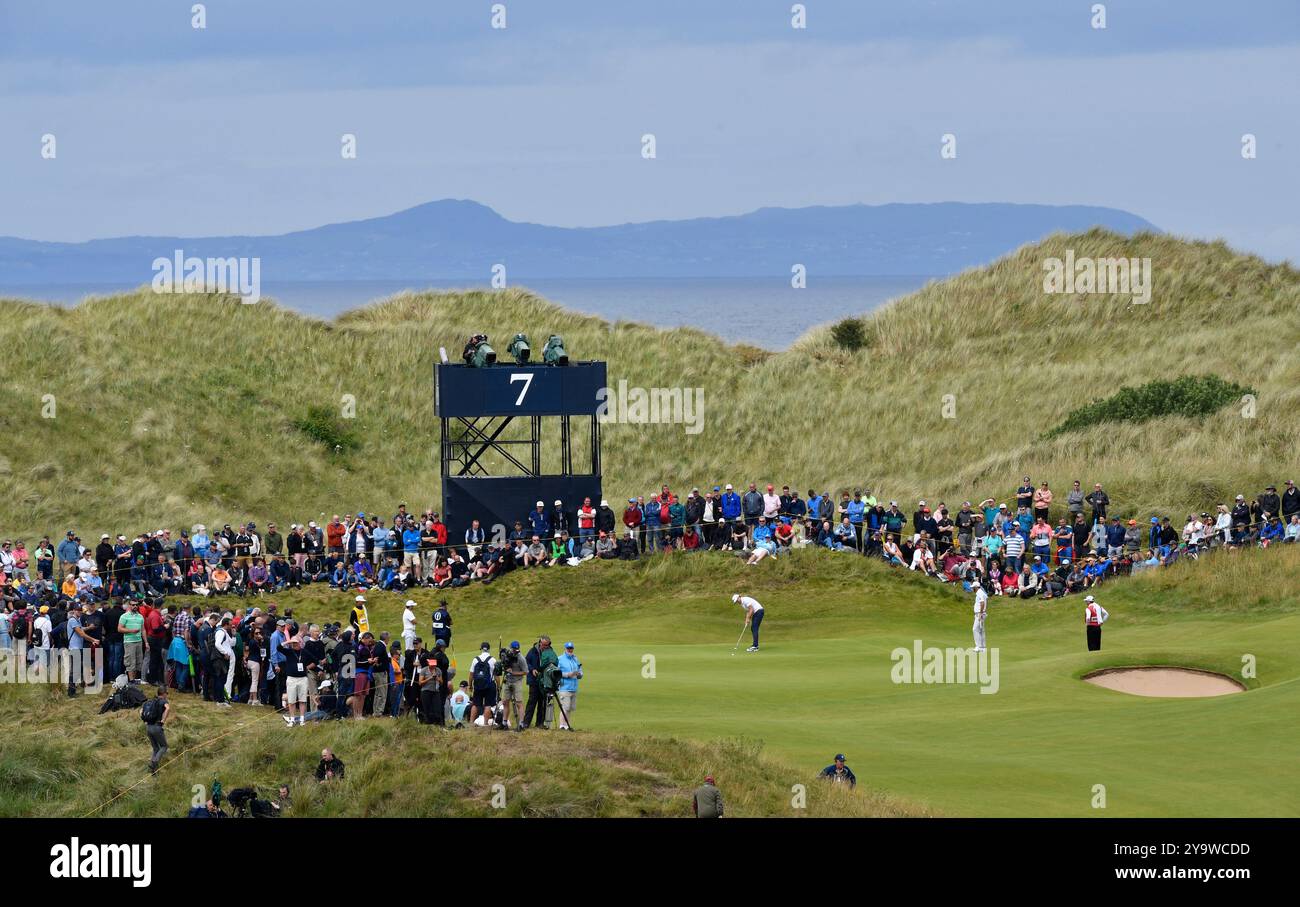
(1165, 682)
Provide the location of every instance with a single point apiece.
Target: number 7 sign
(525, 377)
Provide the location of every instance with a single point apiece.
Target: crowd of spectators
(1031, 544)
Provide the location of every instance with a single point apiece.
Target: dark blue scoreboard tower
(476, 406)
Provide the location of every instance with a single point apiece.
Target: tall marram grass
(60, 760)
(176, 409)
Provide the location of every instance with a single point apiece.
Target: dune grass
(181, 409)
(60, 759)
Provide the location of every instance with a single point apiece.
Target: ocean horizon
(765, 312)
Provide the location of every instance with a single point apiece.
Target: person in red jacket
(632, 519)
(586, 519)
(440, 532)
(334, 531)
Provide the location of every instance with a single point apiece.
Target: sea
(765, 312)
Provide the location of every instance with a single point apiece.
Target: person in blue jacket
(1272, 531)
(1115, 537)
(411, 548)
(856, 510)
(730, 505)
(652, 512)
(539, 522)
(69, 552)
(567, 688)
(839, 773)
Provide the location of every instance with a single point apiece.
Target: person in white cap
(408, 626)
(981, 612)
(359, 619)
(1094, 615)
(753, 616)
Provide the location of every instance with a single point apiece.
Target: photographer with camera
(548, 675)
(514, 676)
(431, 681)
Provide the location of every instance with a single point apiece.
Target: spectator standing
(567, 689)
(155, 714)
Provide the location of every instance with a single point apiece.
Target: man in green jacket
(708, 800)
(548, 671)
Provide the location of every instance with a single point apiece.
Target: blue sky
(162, 128)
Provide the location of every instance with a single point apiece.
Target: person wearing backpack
(154, 713)
(42, 636)
(18, 625)
(482, 672)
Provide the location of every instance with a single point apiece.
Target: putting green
(656, 641)
(1035, 747)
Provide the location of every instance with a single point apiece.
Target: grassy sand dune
(178, 409)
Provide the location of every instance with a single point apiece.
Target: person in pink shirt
(1042, 501)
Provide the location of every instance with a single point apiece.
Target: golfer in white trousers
(408, 626)
(981, 611)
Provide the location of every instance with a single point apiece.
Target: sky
(236, 128)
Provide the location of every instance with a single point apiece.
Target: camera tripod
(555, 694)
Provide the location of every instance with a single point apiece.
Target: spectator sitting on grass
(330, 767)
(1028, 584)
(536, 555)
(923, 560)
(764, 547)
(628, 549)
(1010, 582)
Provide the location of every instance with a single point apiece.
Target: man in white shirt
(1094, 615)
(45, 627)
(771, 504)
(408, 626)
(225, 645)
(753, 616)
(482, 675)
(981, 612)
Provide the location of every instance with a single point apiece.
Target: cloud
(551, 132)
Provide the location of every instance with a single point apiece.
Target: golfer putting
(753, 617)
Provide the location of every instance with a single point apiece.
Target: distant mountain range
(455, 239)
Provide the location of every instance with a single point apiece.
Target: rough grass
(176, 409)
(64, 761)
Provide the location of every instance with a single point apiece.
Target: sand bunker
(1165, 682)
